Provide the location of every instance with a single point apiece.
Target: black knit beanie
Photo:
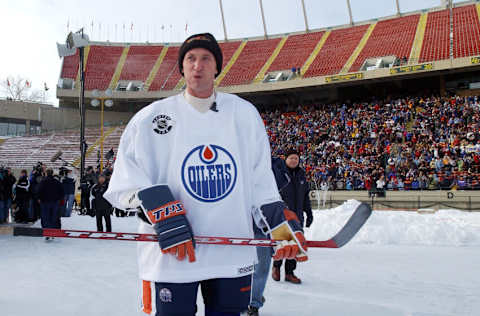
(292, 151)
(204, 40)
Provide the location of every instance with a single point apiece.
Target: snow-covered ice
(400, 263)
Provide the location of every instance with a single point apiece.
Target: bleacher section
(420, 37)
(390, 37)
(295, 51)
(100, 67)
(466, 32)
(139, 63)
(250, 61)
(436, 39)
(25, 152)
(70, 67)
(338, 47)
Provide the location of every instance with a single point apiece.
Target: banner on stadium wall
(475, 60)
(413, 68)
(353, 76)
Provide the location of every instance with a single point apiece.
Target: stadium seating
(436, 39)
(250, 61)
(295, 52)
(338, 47)
(390, 37)
(139, 62)
(466, 32)
(25, 152)
(101, 64)
(228, 49)
(425, 142)
(70, 66)
(168, 75)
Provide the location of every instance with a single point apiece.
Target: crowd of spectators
(409, 143)
(48, 196)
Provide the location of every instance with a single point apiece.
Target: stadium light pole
(78, 40)
(305, 16)
(398, 7)
(102, 100)
(223, 20)
(263, 19)
(350, 12)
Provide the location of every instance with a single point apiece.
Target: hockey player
(198, 163)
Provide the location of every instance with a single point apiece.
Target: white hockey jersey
(218, 164)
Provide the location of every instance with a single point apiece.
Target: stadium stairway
(315, 52)
(358, 49)
(96, 145)
(229, 65)
(156, 67)
(295, 52)
(261, 74)
(418, 41)
(119, 68)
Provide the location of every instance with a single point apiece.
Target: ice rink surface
(400, 263)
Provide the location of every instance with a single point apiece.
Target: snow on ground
(401, 263)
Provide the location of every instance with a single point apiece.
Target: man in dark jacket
(68, 182)
(101, 206)
(50, 194)
(264, 254)
(86, 188)
(22, 198)
(295, 195)
(36, 177)
(8, 182)
(3, 217)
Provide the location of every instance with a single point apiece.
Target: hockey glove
(168, 218)
(285, 226)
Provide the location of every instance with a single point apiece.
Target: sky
(30, 28)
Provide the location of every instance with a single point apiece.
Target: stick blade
(353, 225)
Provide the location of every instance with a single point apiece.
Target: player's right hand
(167, 215)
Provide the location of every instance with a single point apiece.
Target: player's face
(199, 70)
(292, 161)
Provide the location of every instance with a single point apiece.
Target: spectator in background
(295, 195)
(264, 254)
(3, 215)
(86, 187)
(381, 183)
(36, 177)
(22, 198)
(50, 194)
(8, 183)
(102, 208)
(68, 182)
(324, 188)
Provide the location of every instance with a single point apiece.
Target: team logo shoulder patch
(165, 295)
(209, 173)
(162, 124)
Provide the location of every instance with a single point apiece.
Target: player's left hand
(286, 228)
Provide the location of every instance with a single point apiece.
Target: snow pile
(443, 228)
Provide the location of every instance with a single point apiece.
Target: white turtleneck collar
(200, 104)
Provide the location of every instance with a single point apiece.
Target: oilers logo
(209, 173)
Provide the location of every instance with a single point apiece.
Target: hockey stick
(353, 225)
